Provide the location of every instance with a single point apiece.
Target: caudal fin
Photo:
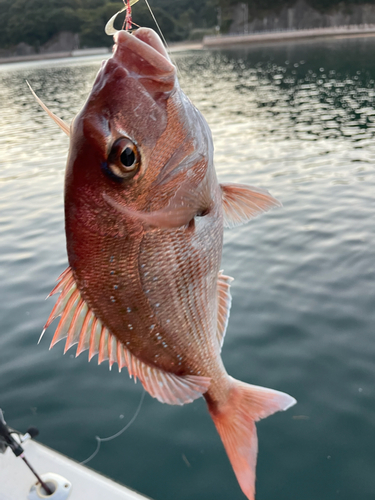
(235, 423)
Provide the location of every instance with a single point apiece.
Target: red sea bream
(144, 216)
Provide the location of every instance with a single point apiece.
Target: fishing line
(157, 24)
(109, 438)
(162, 36)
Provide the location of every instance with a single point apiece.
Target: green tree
(37, 21)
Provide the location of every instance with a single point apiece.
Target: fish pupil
(127, 157)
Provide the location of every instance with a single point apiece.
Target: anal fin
(167, 387)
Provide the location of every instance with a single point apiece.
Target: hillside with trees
(35, 22)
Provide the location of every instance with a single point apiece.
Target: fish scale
(195, 326)
(144, 216)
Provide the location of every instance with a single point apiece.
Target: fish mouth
(143, 54)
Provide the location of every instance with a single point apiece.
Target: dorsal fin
(79, 325)
(242, 203)
(224, 301)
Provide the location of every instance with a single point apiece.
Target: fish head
(137, 138)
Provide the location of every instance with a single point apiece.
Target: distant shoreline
(55, 55)
(173, 47)
(351, 31)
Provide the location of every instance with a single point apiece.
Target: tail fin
(234, 422)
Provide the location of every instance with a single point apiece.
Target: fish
(144, 219)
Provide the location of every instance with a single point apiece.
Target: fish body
(144, 215)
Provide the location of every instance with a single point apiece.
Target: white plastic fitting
(60, 487)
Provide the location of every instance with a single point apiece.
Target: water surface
(297, 119)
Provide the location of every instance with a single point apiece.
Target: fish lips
(135, 82)
(143, 56)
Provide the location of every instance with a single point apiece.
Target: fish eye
(124, 159)
(128, 157)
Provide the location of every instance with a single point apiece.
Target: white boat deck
(16, 479)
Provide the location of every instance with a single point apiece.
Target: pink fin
(242, 203)
(112, 352)
(168, 387)
(64, 126)
(84, 339)
(75, 328)
(224, 301)
(103, 346)
(62, 280)
(80, 325)
(95, 338)
(120, 357)
(60, 305)
(66, 319)
(235, 423)
(67, 272)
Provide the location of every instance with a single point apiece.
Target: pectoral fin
(242, 203)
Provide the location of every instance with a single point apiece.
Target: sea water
(295, 118)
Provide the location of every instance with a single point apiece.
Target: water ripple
(297, 119)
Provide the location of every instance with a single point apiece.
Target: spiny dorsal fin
(79, 325)
(64, 126)
(224, 301)
(242, 203)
